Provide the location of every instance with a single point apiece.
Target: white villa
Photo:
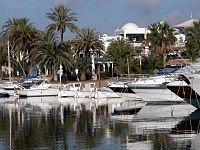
(180, 30)
(131, 32)
(136, 36)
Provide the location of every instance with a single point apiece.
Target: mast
(9, 71)
(191, 16)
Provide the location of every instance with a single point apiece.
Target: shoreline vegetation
(41, 52)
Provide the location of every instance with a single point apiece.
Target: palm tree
(149, 64)
(120, 52)
(86, 40)
(21, 34)
(193, 41)
(48, 36)
(82, 66)
(53, 54)
(45, 37)
(161, 38)
(62, 18)
(3, 55)
(87, 43)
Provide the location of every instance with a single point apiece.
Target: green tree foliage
(149, 64)
(21, 34)
(48, 36)
(161, 38)
(87, 42)
(193, 41)
(53, 54)
(3, 55)
(82, 66)
(62, 18)
(121, 53)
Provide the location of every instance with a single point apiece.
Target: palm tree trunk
(61, 36)
(164, 50)
(0, 69)
(164, 59)
(55, 78)
(83, 76)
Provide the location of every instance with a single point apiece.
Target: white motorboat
(69, 90)
(153, 89)
(130, 104)
(39, 89)
(3, 93)
(188, 89)
(10, 87)
(85, 90)
(123, 90)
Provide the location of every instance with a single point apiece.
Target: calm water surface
(51, 123)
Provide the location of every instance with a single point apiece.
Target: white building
(132, 33)
(136, 36)
(180, 30)
(180, 40)
(106, 39)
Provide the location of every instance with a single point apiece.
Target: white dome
(129, 26)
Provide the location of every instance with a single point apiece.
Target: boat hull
(4, 95)
(87, 94)
(186, 92)
(37, 92)
(157, 96)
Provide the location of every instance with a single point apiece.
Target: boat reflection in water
(69, 123)
(187, 131)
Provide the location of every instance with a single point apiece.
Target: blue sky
(103, 15)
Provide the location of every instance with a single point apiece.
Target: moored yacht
(39, 89)
(123, 90)
(86, 90)
(3, 93)
(130, 104)
(153, 89)
(10, 87)
(188, 89)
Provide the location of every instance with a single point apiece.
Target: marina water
(51, 123)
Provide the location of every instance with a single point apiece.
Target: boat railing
(125, 77)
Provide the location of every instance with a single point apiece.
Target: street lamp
(76, 71)
(112, 68)
(110, 64)
(140, 57)
(60, 73)
(127, 59)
